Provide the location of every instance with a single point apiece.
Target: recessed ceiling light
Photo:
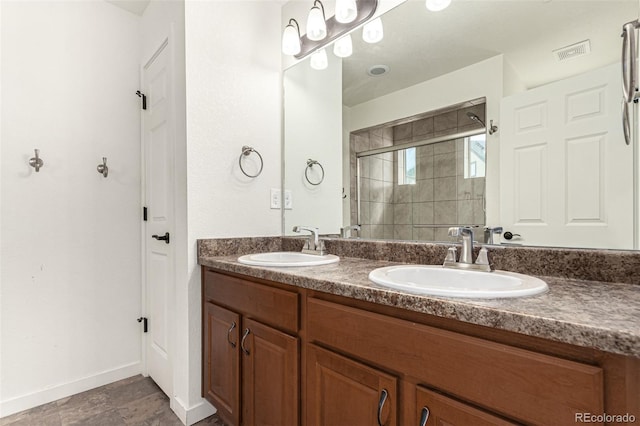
(377, 70)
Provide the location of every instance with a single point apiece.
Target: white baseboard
(24, 402)
(194, 414)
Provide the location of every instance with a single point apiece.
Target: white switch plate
(276, 198)
(288, 199)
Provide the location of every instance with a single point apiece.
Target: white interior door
(159, 256)
(566, 175)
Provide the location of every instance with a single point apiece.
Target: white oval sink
(287, 258)
(438, 281)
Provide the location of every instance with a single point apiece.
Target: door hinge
(144, 214)
(144, 99)
(145, 323)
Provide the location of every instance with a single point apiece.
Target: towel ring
(310, 164)
(246, 151)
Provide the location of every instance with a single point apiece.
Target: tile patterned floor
(133, 401)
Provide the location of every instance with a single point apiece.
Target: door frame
(167, 43)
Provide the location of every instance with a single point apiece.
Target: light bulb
(343, 47)
(319, 60)
(291, 39)
(346, 11)
(437, 5)
(372, 32)
(316, 25)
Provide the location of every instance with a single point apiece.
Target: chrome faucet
(313, 245)
(466, 252)
(492, 234)
(348, 230)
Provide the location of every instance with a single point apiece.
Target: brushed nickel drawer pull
(383, 399)
(233, 326)
(244, 337)
(424, 416)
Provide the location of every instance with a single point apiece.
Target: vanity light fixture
(346, 11)
(372, 32)
(319, 60)
(316, 24)
(291, 38)
(317, 38)
(343, 48)
(437, 5)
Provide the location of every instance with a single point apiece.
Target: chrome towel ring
(246, 151)
(310, 164)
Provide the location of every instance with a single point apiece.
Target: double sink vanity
(370, 335)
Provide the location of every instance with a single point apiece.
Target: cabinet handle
(383, 399)
(424, 416)
(244, 337)
(233, 326)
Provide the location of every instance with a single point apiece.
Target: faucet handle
(454, 231)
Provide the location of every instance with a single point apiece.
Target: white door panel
(566, 174)
(159, 257)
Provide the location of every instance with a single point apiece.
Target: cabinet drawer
(520, 384)
(269, 305)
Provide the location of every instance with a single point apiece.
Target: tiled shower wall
(441, 196)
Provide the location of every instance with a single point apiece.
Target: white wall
(313, 130)
(70, 263)
(233, 99)
(483, 79)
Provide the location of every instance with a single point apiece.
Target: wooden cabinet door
(343, 392)
(434, 409)
(221, 384)
(270, 376)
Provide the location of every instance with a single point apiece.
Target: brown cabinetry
(342, 392)
(282, 355)
(250, 369)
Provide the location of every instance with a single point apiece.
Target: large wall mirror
(400, 134)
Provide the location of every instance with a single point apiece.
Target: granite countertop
(593, 314)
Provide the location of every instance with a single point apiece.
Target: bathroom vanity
(323, 345)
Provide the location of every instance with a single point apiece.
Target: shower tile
(479, 185)
(444, 189)
(365, 167)
(376, 132)
(425, 150)
(465, 212)
(402, 232)
(361, 143)
(365, 231)
(444, 147)
(402, 214)
(422, 213)
(425, 167)
(388, 232)
(365, 189)
(365, 213)
(376, 141)
(423, 190)
(387, 136)
(402, 132)
(402, 193)
(442, 234)
(387, 192)
(445, 212)
(478, 212)
(377, 231)
(423, 127)
(387, 171)
(465, 188)
(376, 168)
(376, 214)
(423, 234)
(388, 214)
(444, 165)
(446, 121)
(376, 190)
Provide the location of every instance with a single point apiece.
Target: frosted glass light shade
(316, 25)
(343, 48)
(372, 32)
(291, 40)
(319, 60)
(346, 11)
(437, 5)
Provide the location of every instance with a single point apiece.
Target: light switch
(276, 198)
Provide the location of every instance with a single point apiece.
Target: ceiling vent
(573, 51)
(378, 70)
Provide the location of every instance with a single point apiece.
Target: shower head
(475, 118)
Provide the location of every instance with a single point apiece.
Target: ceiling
(134, 6)
(420, 45)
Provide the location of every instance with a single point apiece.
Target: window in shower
(407, 166)
(475, 148)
